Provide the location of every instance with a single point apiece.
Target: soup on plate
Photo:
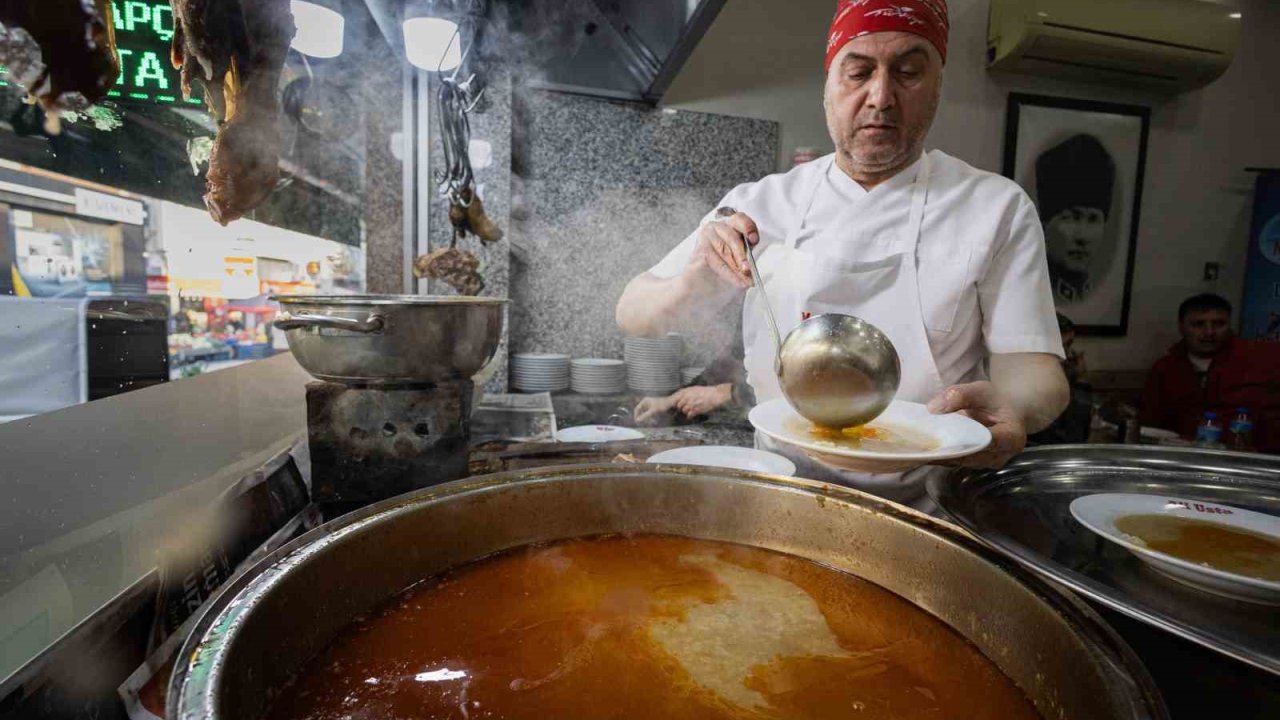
(1211, 544)
(881, 438)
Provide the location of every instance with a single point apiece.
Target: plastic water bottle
(1209, 434)
(1240, 431)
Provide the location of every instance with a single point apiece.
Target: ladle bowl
(838, 371)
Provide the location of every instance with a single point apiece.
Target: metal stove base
(369, 444)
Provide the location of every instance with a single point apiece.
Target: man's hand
(702, 399)
(981, 402)
(650, 410)
(720, 258)
(717, 272)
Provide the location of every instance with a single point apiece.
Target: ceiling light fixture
(435, 31)
(320, 29)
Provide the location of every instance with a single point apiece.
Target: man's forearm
(652, 306)
(1034, 385)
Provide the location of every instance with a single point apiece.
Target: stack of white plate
(653, 364)
(689, 374)
(598, 376)
(539, 372)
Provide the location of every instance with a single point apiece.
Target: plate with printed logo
(598, 434)
(1221, 549)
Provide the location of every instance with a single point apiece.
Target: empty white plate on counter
(1100, 512)
(728, 456)
(598, 433)
(956, 435)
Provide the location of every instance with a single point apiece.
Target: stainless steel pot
(268, 623)
(391, 339)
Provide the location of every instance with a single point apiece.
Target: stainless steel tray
(1022, 511)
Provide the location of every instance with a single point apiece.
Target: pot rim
(212, 630)
(363, 300)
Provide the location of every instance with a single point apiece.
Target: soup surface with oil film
(1211, 544)
(871, 438)
(649, 627)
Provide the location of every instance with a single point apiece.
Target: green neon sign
(144, 29)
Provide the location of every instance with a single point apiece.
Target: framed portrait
(1082, 163)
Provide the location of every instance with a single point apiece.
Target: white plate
(957, 435)
(598, 433)
(738, 458)
(1100, 512)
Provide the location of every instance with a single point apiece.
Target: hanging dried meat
(62, 52)
(457, 268)
(236, 50)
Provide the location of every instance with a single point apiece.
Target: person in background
(1211, 370)
(1072, 426)
(1074, 181)
(723, 384)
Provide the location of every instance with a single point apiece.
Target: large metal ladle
(836, 370)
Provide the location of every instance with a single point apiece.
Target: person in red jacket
(1211, 370)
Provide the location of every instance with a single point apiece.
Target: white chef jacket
(984, 285)
(983, 281)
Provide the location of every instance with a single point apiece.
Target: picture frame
(1082, 162)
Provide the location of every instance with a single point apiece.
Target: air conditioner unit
(1171, 45)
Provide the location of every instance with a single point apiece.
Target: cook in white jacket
(947, 259)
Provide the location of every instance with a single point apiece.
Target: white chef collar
(849, 188)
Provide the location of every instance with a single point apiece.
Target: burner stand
(371, 443)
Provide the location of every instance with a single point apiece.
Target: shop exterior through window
(103, 225)
(200, 292)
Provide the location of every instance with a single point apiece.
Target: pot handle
(372, 324)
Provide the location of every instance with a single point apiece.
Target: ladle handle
(725, 212)
(768, 309)
(371, 324)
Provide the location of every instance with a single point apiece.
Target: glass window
(111, 208)
(138, 383)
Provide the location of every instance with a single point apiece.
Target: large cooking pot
(268, 623)
(391, 339)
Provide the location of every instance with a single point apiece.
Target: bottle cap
(1211, 416)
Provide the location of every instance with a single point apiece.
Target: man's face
(881, 96)
(1205, 331)
(1071, 235)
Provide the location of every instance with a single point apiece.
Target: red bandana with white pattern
(855, 18)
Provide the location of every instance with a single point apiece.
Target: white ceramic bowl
(727, 456)
(957, 436)
(1100, 512)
